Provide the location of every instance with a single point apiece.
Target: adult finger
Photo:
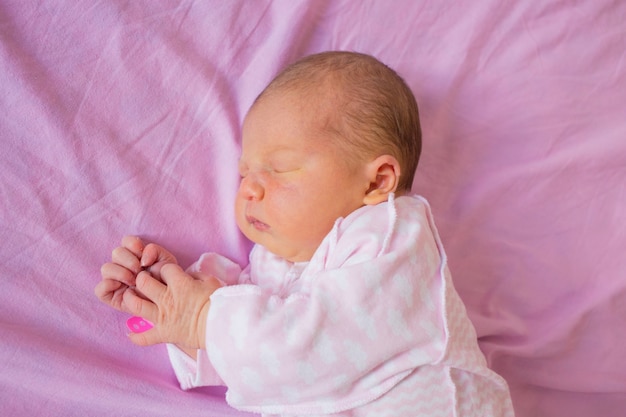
(105, 288)
(138, 306)
(150, 287)
(147, 338)
(150, 255)
(212, 282)
(111, 292)
(171, 272)
(150, 260)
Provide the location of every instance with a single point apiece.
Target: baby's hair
(372, 109)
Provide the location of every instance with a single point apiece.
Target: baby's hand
(154, 257)
(126, 262)
(177, 305)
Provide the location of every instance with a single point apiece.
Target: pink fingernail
(138, 324)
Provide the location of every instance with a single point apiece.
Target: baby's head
(331, 133)
(364, 107)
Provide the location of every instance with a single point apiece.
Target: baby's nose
(251, 189)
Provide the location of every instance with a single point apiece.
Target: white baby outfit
(371, 326)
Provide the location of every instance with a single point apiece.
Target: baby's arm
(128, 260)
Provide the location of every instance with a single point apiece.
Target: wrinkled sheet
(122, 117)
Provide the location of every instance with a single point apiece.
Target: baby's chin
(288, 250)
(290, 253)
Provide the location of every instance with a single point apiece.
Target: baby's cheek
(283, 204)
(240, 215)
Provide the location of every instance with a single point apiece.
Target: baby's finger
(154, 257)
(117, 273)
(124, 257)
(133, 244)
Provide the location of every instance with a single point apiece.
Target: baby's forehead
(317, 103)
(311, 86)
(309, 110)
(321, 104)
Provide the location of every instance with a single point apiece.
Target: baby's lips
(138, 324)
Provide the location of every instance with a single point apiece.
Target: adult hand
(177, 305)
(127, 261)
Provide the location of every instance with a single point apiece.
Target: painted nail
(138, 324)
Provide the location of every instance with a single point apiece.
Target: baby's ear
(384, 176)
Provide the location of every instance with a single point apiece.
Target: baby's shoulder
(382, 219)
(372, 231)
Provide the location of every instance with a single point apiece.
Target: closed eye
(284, 170)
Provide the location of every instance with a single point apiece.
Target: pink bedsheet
(123, 117)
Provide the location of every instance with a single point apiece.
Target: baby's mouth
(257, 224)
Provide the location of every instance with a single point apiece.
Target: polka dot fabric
(371, 326)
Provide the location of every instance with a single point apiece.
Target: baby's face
(294, 183)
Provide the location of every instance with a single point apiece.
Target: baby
(347, 307)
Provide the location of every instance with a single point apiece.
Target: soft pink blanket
(122, 117)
